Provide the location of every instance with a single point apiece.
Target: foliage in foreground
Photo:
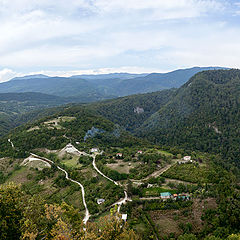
(24, 217)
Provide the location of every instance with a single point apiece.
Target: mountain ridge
(100, 87)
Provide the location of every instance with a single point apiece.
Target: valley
(151, 162)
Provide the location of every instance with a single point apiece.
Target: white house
(187, 158)
(100, 201)
(94, 150)
(124, 217)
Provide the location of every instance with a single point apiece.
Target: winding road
(9, 140)
(95, 167)
(35, 157)
(121, 201)
(87, 214)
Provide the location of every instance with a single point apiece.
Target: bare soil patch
(170, 221)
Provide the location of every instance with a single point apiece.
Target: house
(184, 196)
(94, 150)
(165, 195)
(187, 158)
(119, 155)
(139, 152)
(124, 217)
(138, 110)
(100, 201)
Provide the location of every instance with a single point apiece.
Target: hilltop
(91, 88)
(164, 159)
(203, 115)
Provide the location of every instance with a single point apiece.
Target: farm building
(187, 158)
(93, 150)
(165, 195)
(119, 155)
(100, 201)
(124, 217)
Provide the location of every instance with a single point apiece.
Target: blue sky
(67, 37)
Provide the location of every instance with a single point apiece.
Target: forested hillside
(94, 145)
(204, 115)
(31, 93)
(14, 107)
(55, 130)
(131, 111)
(89, 88)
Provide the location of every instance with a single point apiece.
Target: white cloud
(96, 34)
(163, 5)
(6, 74)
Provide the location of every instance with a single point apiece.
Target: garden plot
(122, 167)
(35, 162)
(55, 123)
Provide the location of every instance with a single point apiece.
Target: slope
(99, 87)
(203, 115)
(75, 124)
(14, 105)
(131, 111)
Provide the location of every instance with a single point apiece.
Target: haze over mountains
(21, 95)
(89, 88)
(151, 131)
(202, 114)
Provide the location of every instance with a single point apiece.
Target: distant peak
(30, 77)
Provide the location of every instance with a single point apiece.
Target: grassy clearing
(71, 163)
(122, 167)
(140, 228)
(19, 175)
(33, 128)
(172, 221)
(104, 214)
(188, 172)
(165, 153)
(56, 122)
(155, 191)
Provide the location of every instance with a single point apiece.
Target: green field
(155, 191)
(188, 172)
(72, 163)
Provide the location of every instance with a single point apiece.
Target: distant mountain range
(202, 115)
(89, 88)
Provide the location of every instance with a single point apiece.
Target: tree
(11, 198)
(187, 237)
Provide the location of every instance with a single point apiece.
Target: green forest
(161, 165)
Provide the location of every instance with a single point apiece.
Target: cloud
(78, 35)
(6, 74)
(159, 5)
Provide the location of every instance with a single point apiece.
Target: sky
(69, 37)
